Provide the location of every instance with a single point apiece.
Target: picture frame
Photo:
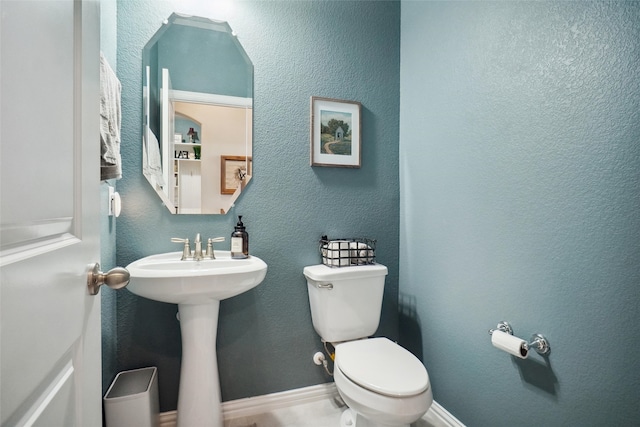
(233, 172)
(335, 133)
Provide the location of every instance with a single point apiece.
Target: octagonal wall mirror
(197, 91)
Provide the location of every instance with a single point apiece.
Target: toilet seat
(382, 366)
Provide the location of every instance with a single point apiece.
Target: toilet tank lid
(321, 272)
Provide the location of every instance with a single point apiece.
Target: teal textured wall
(520, 179)
(108, 46)
(337, 49)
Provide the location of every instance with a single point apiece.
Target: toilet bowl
(382, 383)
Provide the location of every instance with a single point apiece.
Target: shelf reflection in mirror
(197, 115)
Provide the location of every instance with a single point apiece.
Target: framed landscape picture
(335, 133)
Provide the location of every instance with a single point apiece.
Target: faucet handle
(186, 251)
(210, 242)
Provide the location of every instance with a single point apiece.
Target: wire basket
(347, 252)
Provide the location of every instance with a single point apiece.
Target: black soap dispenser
(239, 241)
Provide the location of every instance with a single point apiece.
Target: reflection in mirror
(197, 115)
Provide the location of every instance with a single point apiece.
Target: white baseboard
(437, 415)
(261, 404)
(269, 402)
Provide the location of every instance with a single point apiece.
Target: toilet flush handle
(328, 286)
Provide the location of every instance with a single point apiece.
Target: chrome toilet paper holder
(537, 342)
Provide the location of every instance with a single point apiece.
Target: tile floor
(321, 413)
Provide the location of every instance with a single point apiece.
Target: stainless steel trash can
(132, 399)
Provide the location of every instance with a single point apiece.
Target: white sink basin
(197, 287)
(165, 278)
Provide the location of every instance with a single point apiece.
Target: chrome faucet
(197, 252)
(210, 253)
(186, 250)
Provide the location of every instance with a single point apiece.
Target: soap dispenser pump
(239, 241)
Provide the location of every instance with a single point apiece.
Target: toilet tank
(345, 302)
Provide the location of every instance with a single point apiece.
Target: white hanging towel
(110, 120)
(151, 160)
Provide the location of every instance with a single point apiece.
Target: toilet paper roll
(338, 253)
(360, 253)
(510, 344)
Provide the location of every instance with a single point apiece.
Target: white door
(49, 166)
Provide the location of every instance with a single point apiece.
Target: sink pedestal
(199, 395)
(197, 287)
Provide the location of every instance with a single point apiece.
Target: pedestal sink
(197, 287)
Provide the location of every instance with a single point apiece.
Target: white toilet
(382, 383)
